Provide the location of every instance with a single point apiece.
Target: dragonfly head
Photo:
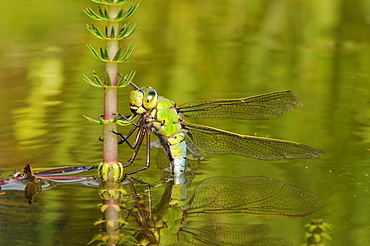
(143, 99)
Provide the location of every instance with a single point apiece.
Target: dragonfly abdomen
(167, 127)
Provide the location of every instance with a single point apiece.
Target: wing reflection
(253, 195)
(173, 222)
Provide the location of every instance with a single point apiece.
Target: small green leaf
(125, 32)
(307, 235)
(97, 237)
(317, 238)
(102, 54)
(116, 57)
(106, 31)
(106, 54)
(97, 79)
(115, 118)
(96, 83)
(103, 14)
(326, 235)
(129, 13)
(95, 53)
(119, 15)
(89, 12)
(124, 28)
(95, 32)
(110, 2)
(107, 78)
(127, 54)
(327, 226)
(98, 120)
(112, 33)
(127, 121)
(126, 79)
(123, 123)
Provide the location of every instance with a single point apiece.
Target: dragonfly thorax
(143, 99)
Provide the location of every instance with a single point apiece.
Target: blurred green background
(190, 50)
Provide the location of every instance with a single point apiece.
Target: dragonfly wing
(210, 233)
(248, 108)
(214, 141)
(252, 195)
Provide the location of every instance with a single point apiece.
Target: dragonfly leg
(121, 116)
(136, 146)
(147, 134)
(124, 138)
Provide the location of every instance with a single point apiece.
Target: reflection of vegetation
(47, 81)
(317, 230)
(164, 224)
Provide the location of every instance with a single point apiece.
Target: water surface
(189, 50)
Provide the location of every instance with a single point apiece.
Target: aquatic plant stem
(111, 171)
(110, 147)
(112, 45)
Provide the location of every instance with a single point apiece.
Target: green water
(189, 50)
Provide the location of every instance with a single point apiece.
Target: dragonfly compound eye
(150, 98)
(136, 101)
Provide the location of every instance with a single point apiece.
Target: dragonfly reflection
(168, 224)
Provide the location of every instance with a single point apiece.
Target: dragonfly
(165, 119)
(165, 223)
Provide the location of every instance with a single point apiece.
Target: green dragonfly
(164, 118)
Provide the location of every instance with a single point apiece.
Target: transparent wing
(211, 234)
(252, 195)
(248, 108)
(214, 141)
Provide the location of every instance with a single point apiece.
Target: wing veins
(255, 107)
(214, 141)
